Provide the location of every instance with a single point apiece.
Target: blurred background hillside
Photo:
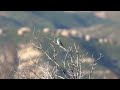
(94, 31)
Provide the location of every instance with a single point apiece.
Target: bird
(59, 42)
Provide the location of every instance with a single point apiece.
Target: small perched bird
(59, 42)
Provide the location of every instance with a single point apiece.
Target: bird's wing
(61, 43)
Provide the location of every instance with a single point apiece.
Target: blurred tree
(8, 58)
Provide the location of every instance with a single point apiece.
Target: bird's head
(58, 39)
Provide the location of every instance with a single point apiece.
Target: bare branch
(72, 62)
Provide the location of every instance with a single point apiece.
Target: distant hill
(51, 19)
(9, 23)
(113, 15)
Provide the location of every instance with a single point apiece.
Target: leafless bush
(71, 67)
(72, 63)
